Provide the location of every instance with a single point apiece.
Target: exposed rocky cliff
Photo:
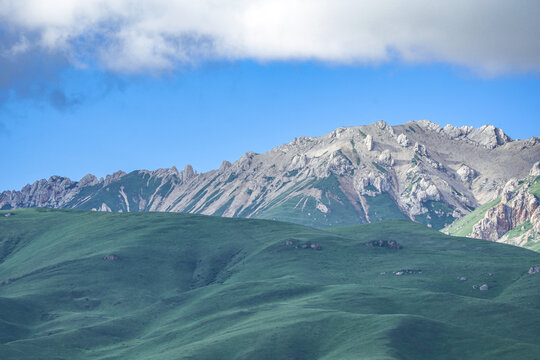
(513, 218)
(418, 170)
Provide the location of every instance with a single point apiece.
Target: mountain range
(419, 170)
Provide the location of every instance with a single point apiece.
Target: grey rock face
(225, 165)
(420, 149)
(535, 170)
(518, 210)
(88, 180)
(454, 132)
(114, 177)
(489, 136)
(386, 158)
(369, 142)
(372, 183)
(403, 140)
(429, 126)
(466, 174)
(187, 173)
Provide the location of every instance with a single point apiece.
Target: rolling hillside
(96, 285)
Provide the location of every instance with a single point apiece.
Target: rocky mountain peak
(225, 165)
(163, 172)
(456, 132)
(57, 179)
(187, 173)
(381, 124)
(114, 177)
(88, 180)
(489, 136)
(428, 125)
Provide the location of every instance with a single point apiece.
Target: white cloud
(489, 36)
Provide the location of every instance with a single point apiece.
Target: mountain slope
(354, 175)
(91, 285)
(513, 218)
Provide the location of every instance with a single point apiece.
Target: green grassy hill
(179, 286)
(464, 225)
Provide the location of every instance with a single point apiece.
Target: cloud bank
(127, 36)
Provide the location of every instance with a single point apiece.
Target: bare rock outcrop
(187, 173)
(42, 193)
(339, 164)
(429, 126)
(225, 165)
(403, 140)
(455, 132)
(88, 180)
(495, 223)
(389, 244)
(383, 125)
(114, 177)
(535, 170)
(517, 207)
(420, 149)
(385, 158)
(368, 142)
(298, 162)
(104, 207)
(372, 183)
(245, 161)
(489, 136)
(421, 192)
(466, 173)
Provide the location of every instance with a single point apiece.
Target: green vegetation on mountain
(96, 286)
(535, 186)
(438, 214)
(383, 207)
(380, 168)
(517, 231)
(135, 191)
(303, 209)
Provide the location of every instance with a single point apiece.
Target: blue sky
(68, 109)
